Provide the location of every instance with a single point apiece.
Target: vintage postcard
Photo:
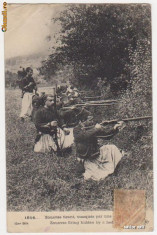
(78, 103)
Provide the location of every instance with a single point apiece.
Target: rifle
(92, 97)
(55, 108)
(124, 120)
(88, 104)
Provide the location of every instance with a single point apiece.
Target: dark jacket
(86, 140)
(43, 116)
(27, 84)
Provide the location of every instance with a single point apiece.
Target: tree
(95, 40)
(10, 79)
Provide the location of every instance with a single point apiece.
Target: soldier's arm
(110, 131)
(84, 135)
(61, 119)
(107, 132)
(32, 83)
(39, 123)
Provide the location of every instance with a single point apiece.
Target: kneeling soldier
(50, 135)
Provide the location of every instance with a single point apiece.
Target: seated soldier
(98, 163)
(49, 124)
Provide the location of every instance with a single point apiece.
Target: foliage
(138, 100)
(10, 79)
(96, 41)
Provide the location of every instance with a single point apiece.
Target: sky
(28, 28)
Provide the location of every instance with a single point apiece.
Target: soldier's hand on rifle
(98, 126)
(25, 87)
(120, 125)
(72, 107)
(54, 123)
(66, 131)
(30, 84)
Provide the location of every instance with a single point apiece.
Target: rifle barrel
(87, 104)
(117, 120)
(97, 104)
(103, 101)
(136, 119)
(126, 119)
(93, 97)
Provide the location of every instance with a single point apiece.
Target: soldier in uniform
(28, 86)
(98, 162)
(51, 132)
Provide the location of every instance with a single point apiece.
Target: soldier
(98, 163)
(28, 86)
(21, 74)
(51, 132)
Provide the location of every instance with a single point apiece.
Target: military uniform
(86, 140)
(46, 140)
(98, 163)
(27, 85)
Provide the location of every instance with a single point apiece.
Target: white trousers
(46, 142)
(26, 110)
(104, 165)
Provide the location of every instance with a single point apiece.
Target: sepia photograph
(78, 106)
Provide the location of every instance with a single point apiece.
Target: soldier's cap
(28, 69)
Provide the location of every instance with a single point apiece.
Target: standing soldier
(28, 86)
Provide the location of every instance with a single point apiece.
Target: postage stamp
(129, 208)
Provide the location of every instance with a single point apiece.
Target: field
(42, 182)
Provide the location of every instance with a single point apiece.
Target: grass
(42, 182)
